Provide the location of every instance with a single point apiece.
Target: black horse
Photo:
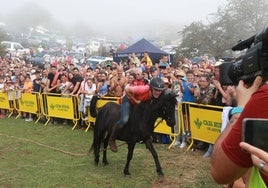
(140, 126)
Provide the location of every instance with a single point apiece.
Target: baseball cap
(153, 68)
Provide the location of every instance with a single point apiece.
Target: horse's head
(168, 108)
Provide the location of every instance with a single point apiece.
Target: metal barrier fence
(173, 132)
(60, 106)
(29, 103)
(204, 121)
(7, 103)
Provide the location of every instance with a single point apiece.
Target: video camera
(253, 63)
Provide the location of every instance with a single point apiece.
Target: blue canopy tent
(139, 48)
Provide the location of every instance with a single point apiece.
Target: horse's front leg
(150, 147)
(131, 147)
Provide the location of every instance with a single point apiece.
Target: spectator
(223, 95)
(164, 62)
(203, 65)
(118, 83)
(90, 72)
(166, 85)
(229, 161)
(76, 81)
(10, 89)
(28, 88)
(2, 90)
(103, 85)
(146, 58)
(37, 82)
(133, 58)
(15, 73)
(145, 75)
(205, 96)
(96, 75)
(177, 89)
(37, 87)
(44, 81)
(64, 86)
(153, 72)
(188, 89)
(195, 68)
(206, 90)
(83, 68)
(53, 80)
(131, 78)
(86, 95)
(177, 84)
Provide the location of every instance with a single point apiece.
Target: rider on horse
(136, 92)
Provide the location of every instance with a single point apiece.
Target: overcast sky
(109, 13)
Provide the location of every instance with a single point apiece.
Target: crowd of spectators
(191, 81)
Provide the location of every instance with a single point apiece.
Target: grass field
(34, 155)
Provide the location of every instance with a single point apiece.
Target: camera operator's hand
(244, 92)
(258, 156)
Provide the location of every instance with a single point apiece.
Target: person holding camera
(229, 161)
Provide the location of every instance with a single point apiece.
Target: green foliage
(238, 20)
(34, 155)
(3, 37)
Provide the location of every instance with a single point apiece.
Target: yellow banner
(60, 107)
(205, 123)
(28, 103)
(4, 103)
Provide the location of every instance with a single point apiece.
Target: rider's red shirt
(140, 90)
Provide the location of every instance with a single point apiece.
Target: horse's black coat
(139, 127)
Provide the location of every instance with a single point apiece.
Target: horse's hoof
(127, 175)
(160, 178)
(105, 163)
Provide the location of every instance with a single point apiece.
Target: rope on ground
(44, 145)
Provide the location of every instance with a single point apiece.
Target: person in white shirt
(87, 92)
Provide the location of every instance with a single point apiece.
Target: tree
(238, 20)
(3, 37)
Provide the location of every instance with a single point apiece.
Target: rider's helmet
(157, 83)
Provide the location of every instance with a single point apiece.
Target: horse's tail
(99, 127)
(92, 108)
(106, 117)
(98, 133)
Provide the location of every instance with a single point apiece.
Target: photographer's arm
(223, 169)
